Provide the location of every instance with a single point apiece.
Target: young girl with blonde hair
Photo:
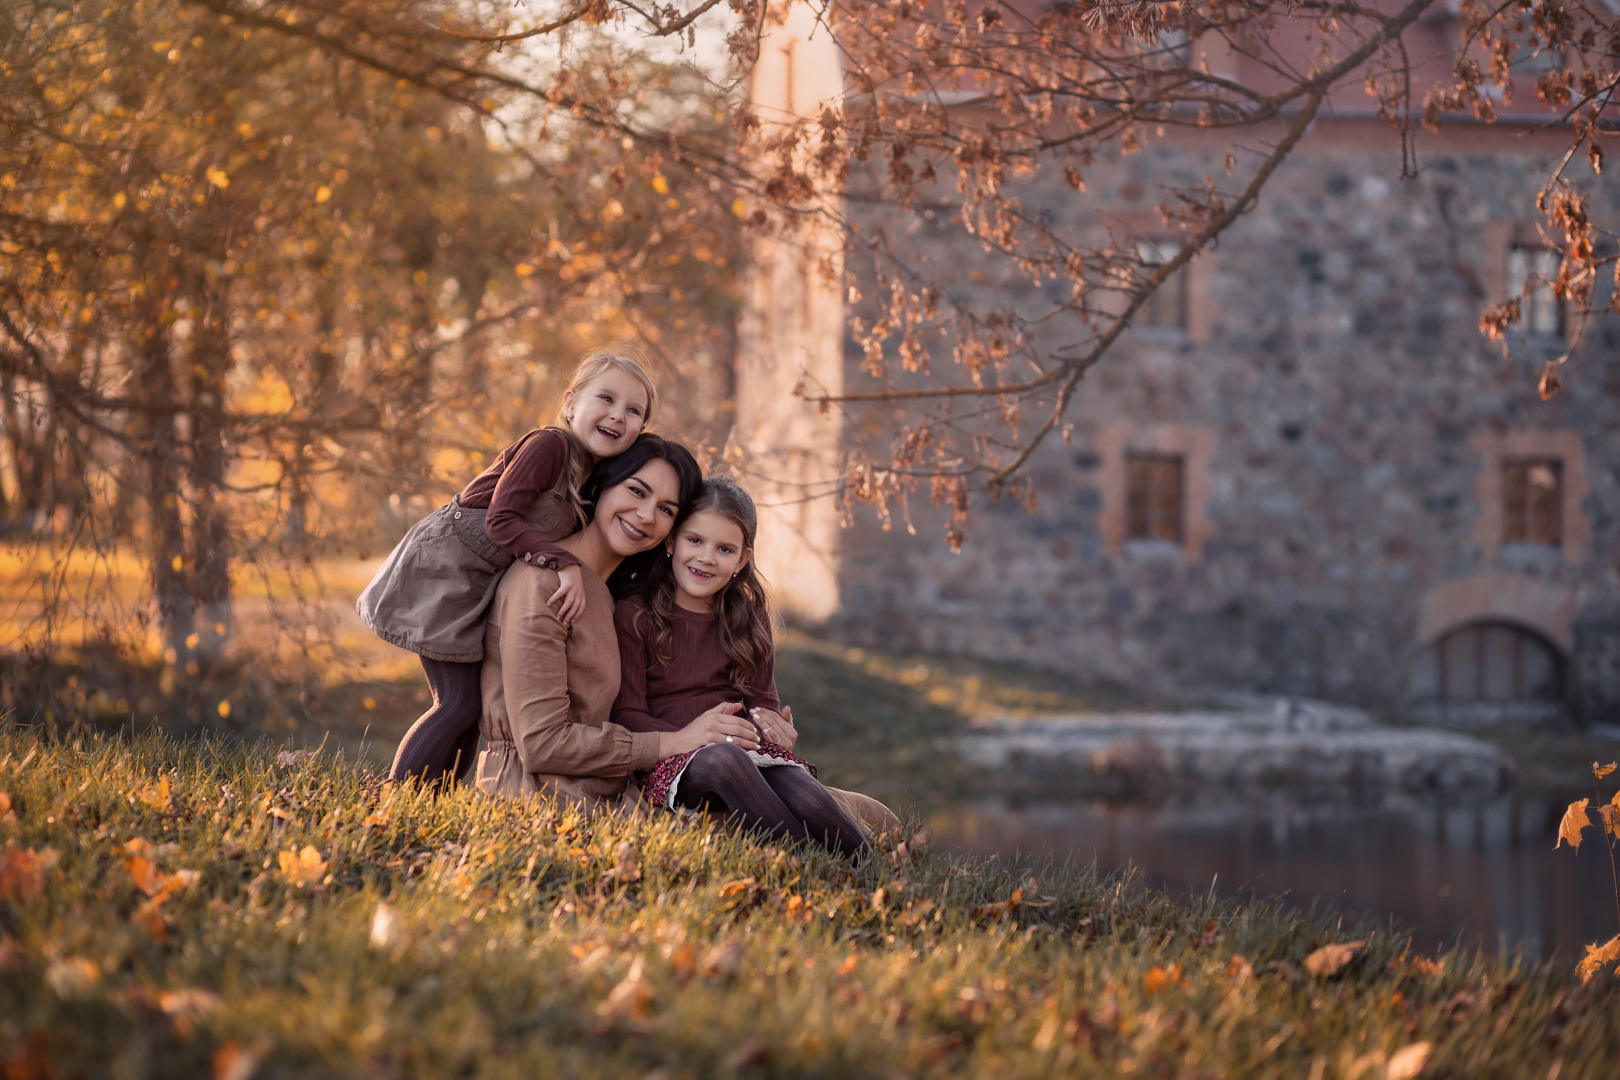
(696, 650)
(431, 594)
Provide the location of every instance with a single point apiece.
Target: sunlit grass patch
(167, 907)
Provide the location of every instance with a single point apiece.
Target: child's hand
(776, 727)
(720, 724)
(569, 599)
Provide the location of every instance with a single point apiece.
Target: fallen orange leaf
(22, 871)
(1407, 1062)
(304, 868)
(157, 797)
(1331, 959)
(732, 888)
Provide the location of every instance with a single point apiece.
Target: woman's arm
(534, 470)
(534, 675)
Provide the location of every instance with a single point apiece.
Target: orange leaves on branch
(1597, 958)
(1600, 771)
(1575, 819)
(304, 868)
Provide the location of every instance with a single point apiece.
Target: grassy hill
(197, 908)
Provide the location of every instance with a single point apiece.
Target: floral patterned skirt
(658, 785)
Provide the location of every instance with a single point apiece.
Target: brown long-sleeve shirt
(530, 468)
(548, 691)
(667, 697)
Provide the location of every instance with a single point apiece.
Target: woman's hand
(723, 723)
(569, 599)
(776, 727)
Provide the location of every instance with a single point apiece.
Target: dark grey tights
(784, 801)
(441, 745)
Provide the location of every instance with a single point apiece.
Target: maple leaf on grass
(1332, 959)
(303, 869)
(1575, 819)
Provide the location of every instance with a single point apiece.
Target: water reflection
(1485, 873)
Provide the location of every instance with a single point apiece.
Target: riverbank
(171, 909)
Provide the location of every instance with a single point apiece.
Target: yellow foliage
(217, 177)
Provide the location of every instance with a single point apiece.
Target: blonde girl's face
(636, 515)
(607, 412)
(706, 551)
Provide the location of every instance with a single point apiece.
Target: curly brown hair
(741, 607)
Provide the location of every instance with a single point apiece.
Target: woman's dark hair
(613, 471)
(742, 610)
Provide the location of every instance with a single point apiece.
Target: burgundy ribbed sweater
(518, 476)
(667, 697)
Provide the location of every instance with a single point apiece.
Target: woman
(547, 688)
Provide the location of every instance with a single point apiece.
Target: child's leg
(726, 775)
(449, 727)
(819, 812)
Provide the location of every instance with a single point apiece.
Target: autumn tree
(254, 286)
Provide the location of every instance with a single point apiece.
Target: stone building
(1305, 471)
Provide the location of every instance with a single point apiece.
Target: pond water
(1486, 874)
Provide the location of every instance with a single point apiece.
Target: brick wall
(1343, 422)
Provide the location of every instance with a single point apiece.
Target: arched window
(1490, 661)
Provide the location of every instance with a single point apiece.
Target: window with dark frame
(1153, 497)
(1533, 501)
(1540, 312)
(1495, 662)
(1167, 307)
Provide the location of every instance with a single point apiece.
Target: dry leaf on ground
(732, 888)
(22, 872)
(628, 1000)
(723, 960)
(233, 1061)
(303, 869)
(1407, 1062)
(1332, 959)
(1569, 829)
(190, 1001)
(71, 976)
(384, 927)
(158, 796)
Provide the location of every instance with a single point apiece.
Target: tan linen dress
(548, 691)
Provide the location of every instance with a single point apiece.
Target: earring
(569, 418)
(734, 573)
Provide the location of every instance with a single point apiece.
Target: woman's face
(638, 513)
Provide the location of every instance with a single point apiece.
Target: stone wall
(1345, 418)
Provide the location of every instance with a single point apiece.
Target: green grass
(534, 939)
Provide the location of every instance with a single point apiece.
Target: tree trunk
(210, 538)
(160, 451)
